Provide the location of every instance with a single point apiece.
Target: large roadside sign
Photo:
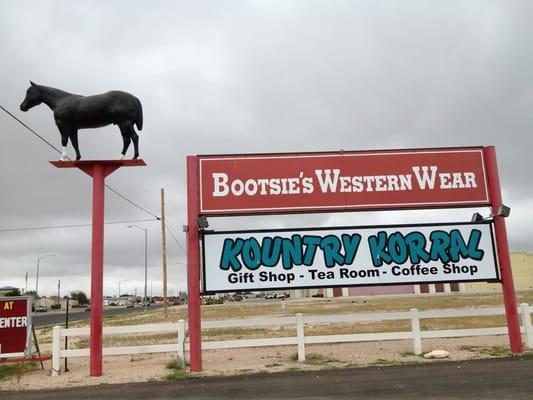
(342, 181)
(354, 256)
(15, 326)
(254, 184)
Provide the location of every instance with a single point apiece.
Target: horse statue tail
(139, 119)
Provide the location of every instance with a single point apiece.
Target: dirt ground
(152, 367)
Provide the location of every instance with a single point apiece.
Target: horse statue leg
(125, 140)
(74, 140)
(64, 141)
(128, 133)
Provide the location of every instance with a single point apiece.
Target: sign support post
(502, 244)
(193, 265)
(98, 170)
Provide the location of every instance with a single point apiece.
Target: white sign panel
(360, 256)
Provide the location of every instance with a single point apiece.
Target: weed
(173, 364)
(8, 370)
(81, 344)
(319, 359)
(273, 365)
(381, 362)
(495, 351)
(292, 369)
(179, 374)
(351, 365)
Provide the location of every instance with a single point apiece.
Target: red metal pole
(98, 170)
(97, 270)
(193, 265)
(509, 298)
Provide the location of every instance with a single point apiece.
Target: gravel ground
(152, 367)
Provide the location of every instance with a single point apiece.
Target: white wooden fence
(300, 340)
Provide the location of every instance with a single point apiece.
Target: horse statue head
(73, 112)
(33, 97)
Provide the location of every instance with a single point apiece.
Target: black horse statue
(73, 112)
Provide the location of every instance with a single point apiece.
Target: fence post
(300, 336)
(415, 328)
(56, 349)
(181, 344)
(526, 322)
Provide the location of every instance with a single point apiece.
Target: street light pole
(37, 274)
(119, 282)
(145, 262)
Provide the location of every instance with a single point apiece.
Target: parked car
(270, 296)
(41, 309)
(129, 305)
(88, 308)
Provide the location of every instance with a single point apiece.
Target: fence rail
(415, 333)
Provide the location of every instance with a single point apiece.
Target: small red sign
(342, 181)
(14, 325)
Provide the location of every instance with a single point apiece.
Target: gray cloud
(240, 77)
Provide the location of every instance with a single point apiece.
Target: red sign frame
(196, 206)
(15, 326)
(342, 181)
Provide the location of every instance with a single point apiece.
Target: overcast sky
(247, 77)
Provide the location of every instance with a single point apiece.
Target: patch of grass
(273, 365)
(9, 370)
(135, 339)
(351, 365)
(173, 364)
(176, 373)
(247, 333)
(314, 359)
(319, 359)
(494, 351)
(179, 374)
(80, 344)
(381, 362)
(292, 369)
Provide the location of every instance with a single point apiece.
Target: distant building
(119, 301)
(521, 264)
(52, 302)
(7, 289)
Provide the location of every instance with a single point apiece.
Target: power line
(30, 129)
(131, 202)
(175, 238)
(156, 217)
(59, 151)
(38, 228)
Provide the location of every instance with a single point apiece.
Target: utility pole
(164, 252)
(58, 292)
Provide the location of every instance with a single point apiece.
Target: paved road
(58, 318)
(507, 378)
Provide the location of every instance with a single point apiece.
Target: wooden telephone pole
(164, 252)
